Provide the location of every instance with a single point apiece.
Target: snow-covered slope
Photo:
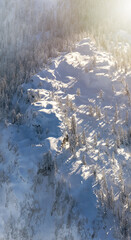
(66, 157)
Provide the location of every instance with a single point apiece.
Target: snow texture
(51, 175)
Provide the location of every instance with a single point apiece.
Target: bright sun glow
(124, 10)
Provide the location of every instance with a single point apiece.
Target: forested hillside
(32, 32)
(65, 120)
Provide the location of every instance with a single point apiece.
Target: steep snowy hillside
(65, 155)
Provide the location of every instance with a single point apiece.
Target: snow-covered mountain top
(66, 157)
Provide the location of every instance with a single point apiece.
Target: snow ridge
(65, 157)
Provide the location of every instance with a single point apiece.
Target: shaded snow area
(65, 154)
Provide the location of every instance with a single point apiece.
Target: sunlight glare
(124, 10)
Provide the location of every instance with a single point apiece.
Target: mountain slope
(66, 155)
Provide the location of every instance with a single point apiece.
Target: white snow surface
(64, 204)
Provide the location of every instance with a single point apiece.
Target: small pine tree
(127, 91)
(79, 141)
(113, 128)
(91, 110)
(73, 136)
(67, 100)
(113, 157)
(99, 113)
(127, 117)
(125, 137)
(78, 92)
(83, 138)
(73, 125)
(48, 166)
(13, 116)
(118, 142)
(101, 94)
(84, 160)
(121, 135)
(110, 198)
(115, 147)
(107, 142)
(95, 140)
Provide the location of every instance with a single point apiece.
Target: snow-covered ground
(66, 159)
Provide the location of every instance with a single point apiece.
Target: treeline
(31, 32)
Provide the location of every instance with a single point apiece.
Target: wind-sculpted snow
(65, 153)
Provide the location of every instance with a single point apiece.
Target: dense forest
(32, 32)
